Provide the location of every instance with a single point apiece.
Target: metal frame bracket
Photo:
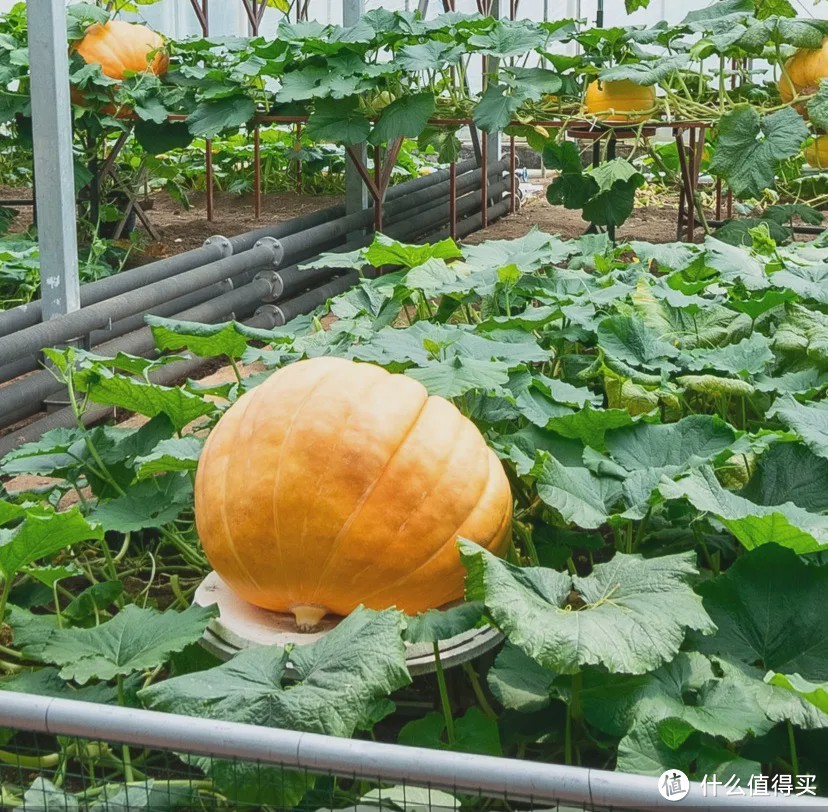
(276, 248)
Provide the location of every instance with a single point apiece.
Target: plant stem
(794, 756)
(444, 697)
(128, 774)
(479, 694)
(4, 597)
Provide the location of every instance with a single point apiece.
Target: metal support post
(356, 195)
(53, 159)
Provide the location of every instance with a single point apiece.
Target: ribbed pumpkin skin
(611, 101)
(119, 47)
(804, 71)
(816, 154)
(335, 484)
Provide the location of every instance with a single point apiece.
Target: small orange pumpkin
(803, 73)
(620, 101)
(119, 47)
(335, 484)
(816, 153)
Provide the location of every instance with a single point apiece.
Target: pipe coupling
(275, 287)
(223, 243)
(273, 313)
(276, 248)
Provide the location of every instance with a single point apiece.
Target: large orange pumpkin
(119, 47)
(803, 72)
(335, 484)
(621, 101)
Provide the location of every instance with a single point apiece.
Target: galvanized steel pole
(53, 158)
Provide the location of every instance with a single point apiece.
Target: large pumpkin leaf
(750, 147)
(135, 639)
(630, 615)
(689, 688)
(753, 524)
(580, 496)
(518, 682)
(631, 341)
(769, 608)
(42, 533)
(810, 421)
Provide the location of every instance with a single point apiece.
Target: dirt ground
(650, 223)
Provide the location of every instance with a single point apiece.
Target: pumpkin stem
(308, 615)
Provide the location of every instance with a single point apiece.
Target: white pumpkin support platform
(240, 625)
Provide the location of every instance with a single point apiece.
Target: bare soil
(653, 223)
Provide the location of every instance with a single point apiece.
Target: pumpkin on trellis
(619, 102)
(802, 74)
(335, 484)
(120, 47)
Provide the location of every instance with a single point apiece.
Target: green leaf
(769, 610)
(338, 120)
(497, 106)
(134, 640)
(442, 624)
(784, 524)
(148, 399)
(159, 138)
(508, 38)
(644, 73)
(674, 446)
(404, 118)
(229, 338)
(634, 5)
(42, 533)
(450, 379)
(690, 688)
(750, 356)
(815, 693)
(612, 202)
(518, 682)
(474, 733)
(750, 148)
(631, 341)
(590, 425)
(818, 106)
(581, 497)
(630, 615)
(175, 454)
(152, 502)
(92, 601)
(809, 421)
(339, 679)
(385, 251)
(210, 118)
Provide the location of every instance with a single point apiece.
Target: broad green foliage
(659, 411)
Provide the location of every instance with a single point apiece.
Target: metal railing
(277, 768)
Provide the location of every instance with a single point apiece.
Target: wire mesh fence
(58, 754)
(45, 772)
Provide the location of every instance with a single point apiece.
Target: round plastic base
(241, 625)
